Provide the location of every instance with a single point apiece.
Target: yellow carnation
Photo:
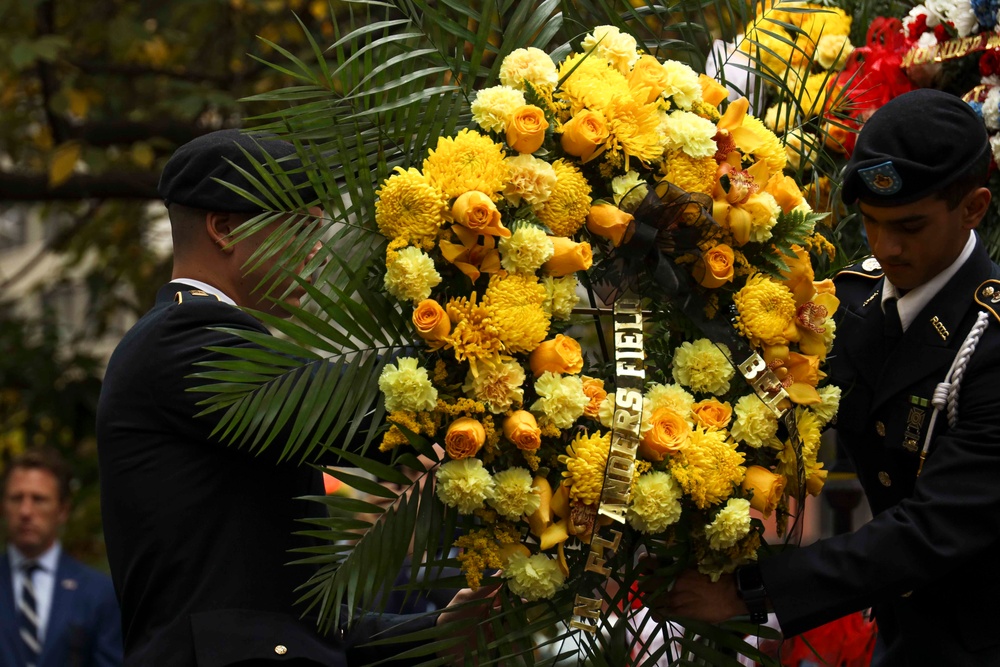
(531, 180)
(493, 106)
(730, 525)
(766, 311)
(670, 396)
(764, 211)
(560, 296)
(526, 250)
(829, 403)
(496, 384)
(682, 85)
(709, 468)
(703, 366)
(464, 484)
(656, 502)
(629, 190)
(529, 65)
(566, 209)
(755, 424)
(536, 577)
(468, 161)
(514, 304)
(513, 494)
(615, 46)
(409, 207)
(561, 399)
(692, 134)
(411, 275)
(832, 51)
(585, 460)
(407, 386)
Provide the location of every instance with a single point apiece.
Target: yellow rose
(594, 389)
(526, 129)
(521, 428)
(785, 191)
(766, 487)
(669, 433)
(584, 133)
(609, 222)
(431, 321)
(715, 267)
(568, 257)
(712, 91)
(464, 438)
(561, 355)
(648, 73)
(477, 212)
(712, 414)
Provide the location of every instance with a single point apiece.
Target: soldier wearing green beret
(926, 561)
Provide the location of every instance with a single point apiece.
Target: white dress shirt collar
(205, 287)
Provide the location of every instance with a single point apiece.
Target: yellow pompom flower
(464, 484)
(709, 468)
(514, 303)
(534, 577)
(530, 65)
(730, 525)
(683, 130)
(585, 460)
(410, 274)
(688, 173)
(755, 424)
(766, 311)
(566, 209)
(474, 335)
(561, 399)
(703, 366)
(656, 502)
(526, 250)
(560, 296)
(493, 106)
(496, 383)
(409, 207)
(407, 386)
(513, 495)
(592, 84)
(467, 161)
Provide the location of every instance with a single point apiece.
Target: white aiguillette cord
(946, 393)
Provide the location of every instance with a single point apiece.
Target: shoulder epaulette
(988, 296)
(198, 294)
(866, 268)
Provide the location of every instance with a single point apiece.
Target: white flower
(629, 190)
(991, 109)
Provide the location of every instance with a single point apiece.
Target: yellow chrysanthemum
(534, 577)
(407, 386)
(464, 484)
(561, 399)
(473, 335)
(409, 207)
(688, 173)
(493, 106)
(531, 65)
(810, 431)
(410, 274)
(655, 502)
(755, 424)
(531, 180)
(497, 384)
(683, 130)
(634, 128)
(567, 208)
(730, 525)
(585, 460)
(560, 296)
(468, 161)
(514, 495)
(709, 468)
(703, 366)
(514, 303)
(526, 250)
(829, 403)
(766, 311)
(592, 84)
(771, 151)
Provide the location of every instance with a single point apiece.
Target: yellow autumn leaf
(63, 160)
(143, 155)
(79, 103)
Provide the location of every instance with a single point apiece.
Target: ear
(220, 227)
(975, 206)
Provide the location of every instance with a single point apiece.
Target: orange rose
(431, 321)
(464, 438)
(712, 91)
(766, 487)
(568, 257)
(594, 389)
(648, 73)
(584, 133)
(477, 212)
(526, 129)
(785, 191)
(711, 414)
(609, 222)
(670, 432)
(522, 429)
(837, 137)
(715, 267)
(561, 355)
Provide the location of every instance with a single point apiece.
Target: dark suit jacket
(199, 533)
(927, 561)
(84, 627)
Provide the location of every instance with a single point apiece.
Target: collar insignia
(871, 264)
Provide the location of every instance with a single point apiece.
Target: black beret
(915, 145)
(192, 174)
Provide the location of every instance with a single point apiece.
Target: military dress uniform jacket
(927, 562)
(199, 533)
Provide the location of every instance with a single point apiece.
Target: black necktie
(893, 327)
(27, 615)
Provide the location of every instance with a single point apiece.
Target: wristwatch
(750, 589)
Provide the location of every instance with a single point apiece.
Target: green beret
(913, 146)
(192, 174)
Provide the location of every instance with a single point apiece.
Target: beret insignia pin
(882, 179)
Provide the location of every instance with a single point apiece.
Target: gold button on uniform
(910, 445)
(280, 650)
(884, 478)
(880, 429)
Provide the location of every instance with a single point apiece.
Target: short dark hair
(974, 177)
(43, 458)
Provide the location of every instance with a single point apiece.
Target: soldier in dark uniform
(926, 562)
(199, 533)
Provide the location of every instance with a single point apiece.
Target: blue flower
(986, 12)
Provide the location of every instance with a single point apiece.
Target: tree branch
(121, 185)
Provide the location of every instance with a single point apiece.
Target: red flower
(989, 62)
(918, 26)
(941, 32)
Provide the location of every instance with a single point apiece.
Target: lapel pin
(870, 299)
(69, 584)
(940, 328)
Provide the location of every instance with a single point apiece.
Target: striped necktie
(27, 615)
